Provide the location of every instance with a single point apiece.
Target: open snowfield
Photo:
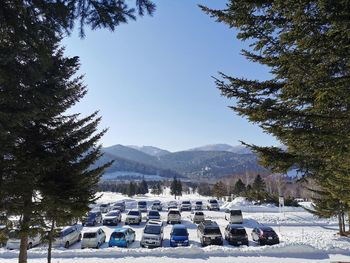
(304, 238)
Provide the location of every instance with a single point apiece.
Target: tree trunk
(340, 224)
(49, 249)
(24, 233)
(343, 220)
(349, 221)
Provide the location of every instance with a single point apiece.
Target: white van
(234, 216)
(14, 240)
(68, 236)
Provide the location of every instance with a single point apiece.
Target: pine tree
(305, 103)
(179, 187)
(239, 187)
(176, 188)
(219, 190)
(131, 191)
(143, 187)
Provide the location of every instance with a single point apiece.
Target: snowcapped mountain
(240, 149)
(150, 150)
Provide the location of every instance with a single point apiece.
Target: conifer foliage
(306, 102)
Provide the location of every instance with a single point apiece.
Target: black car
(93, 218)
(236, 235)
(265, 235)
(209, 233)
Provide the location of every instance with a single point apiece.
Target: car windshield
(268, 231)
(134, 213)
(14, 234)
(149, 229)
(199, 214)
(112, 214)
(92, 215)
(180, 232)
(142, 203)
(236, 212)
(156, 203)
(153, 213)
(104, 205)
(186, 202)
(238, 231)
(212, 231)
(117, 235)
(213, 201)
(199, 203)
(89, 235)
(174, 212)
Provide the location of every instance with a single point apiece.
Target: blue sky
(152, 79)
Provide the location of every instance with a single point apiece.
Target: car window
(212, 231)
(117, 235)
(89, 235)
(199, 213)
(174, 212)
(236, 212)
(113, 214)
(134, 213)
(153, 213)
(238, 231)
(180, 232)
(152, 229)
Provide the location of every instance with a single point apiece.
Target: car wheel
(98, 245)
(66, 245)
(30, 245)
(79, 238)
(94, 223)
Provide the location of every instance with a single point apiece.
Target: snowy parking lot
(303, 238)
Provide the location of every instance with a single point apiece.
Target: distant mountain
(150, 150)
(207, 162)
(211, 164)
(122, 166)
(240, 149)
(129, 153)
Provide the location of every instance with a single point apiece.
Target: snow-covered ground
(304, 238)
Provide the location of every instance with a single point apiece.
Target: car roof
(265, 228)
(236, 226)
(154, 222)
(114, 211)
(209, 223)
(121, 229)
(153, 211)
(179, 226)
(134, 210)
(174, 209)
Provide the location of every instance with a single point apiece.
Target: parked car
(104, 208)
(265, 235)
(198, 217)
(186, 206)
(120, 205)
(93, 238)
(172, 205)
(198, 205)
(209, 233)
(93, 218)
(174, 216)
(236, 235)
(153, 214)
(112, 218)
(14, 240)
(142, 206)
(68, 236)
(213, 205)
(122, 237)
(179, 236)
(234, 216)
(134, 216)
(157, 206)
(152, 234)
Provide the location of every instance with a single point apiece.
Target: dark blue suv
(179, 236)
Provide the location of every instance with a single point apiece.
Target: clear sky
(151, 79)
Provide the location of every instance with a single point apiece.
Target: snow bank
(282, 250)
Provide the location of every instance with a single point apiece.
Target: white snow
(304, 238)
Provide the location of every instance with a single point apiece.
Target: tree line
(304, 102)
(46, 154)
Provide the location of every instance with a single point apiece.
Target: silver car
(152, 234)
(198, 217)
(68, 236)
(133, 217)
(174, 216)
(93, 238)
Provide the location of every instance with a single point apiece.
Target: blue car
(122, 237)
(179, 236)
